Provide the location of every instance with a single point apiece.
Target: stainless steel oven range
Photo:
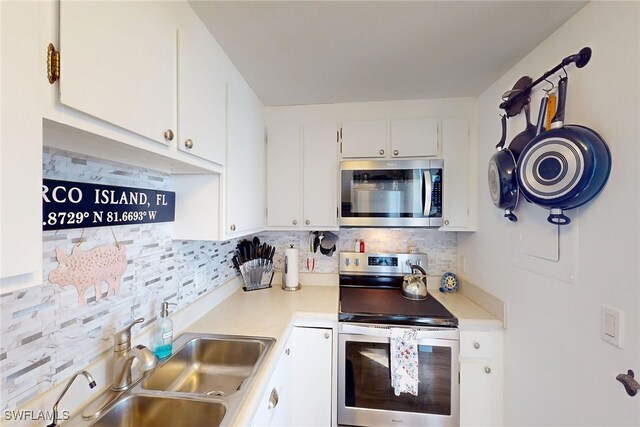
(371, 304)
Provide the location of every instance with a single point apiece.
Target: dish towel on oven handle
(404, 360)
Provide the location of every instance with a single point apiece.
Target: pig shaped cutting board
(83, 269)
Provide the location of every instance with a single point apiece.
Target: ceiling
(313, 52)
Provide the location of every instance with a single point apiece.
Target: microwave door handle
(427, 193)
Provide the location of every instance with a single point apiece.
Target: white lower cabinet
(312, 376)
(276, 404)
(481, 378)
(299, 392)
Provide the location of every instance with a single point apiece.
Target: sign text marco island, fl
(67, 204)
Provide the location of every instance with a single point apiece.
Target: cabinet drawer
(477, 344)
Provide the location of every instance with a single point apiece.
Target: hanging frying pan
(518, 143)
(503, 184)
(564, 167)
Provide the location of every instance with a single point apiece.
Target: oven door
(365, 395)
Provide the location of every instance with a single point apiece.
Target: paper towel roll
(290, 268)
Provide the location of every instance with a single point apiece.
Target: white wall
(558, 370)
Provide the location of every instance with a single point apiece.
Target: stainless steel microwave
(391, 193)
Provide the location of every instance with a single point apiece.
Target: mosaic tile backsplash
(441, 247)
(47, 337)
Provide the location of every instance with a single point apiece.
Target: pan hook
(551, 89)
(565, 72)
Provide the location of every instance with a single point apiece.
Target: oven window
(368, 379)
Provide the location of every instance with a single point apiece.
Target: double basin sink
(203, 383)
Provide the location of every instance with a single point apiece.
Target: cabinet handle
(327, 335)
(446, 222)
(307, 222)
(476, 345)
(382, 152)
(273, 399)
(487, 370)
(189, 144)
(287, 351)
(295, 222)
(396, 152)
(233, 227)
(168, 135)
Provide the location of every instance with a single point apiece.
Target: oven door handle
(385, 332)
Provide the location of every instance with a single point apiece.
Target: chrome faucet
(124, 356)
(92, 384)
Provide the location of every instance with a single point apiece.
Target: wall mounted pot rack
(514, 100)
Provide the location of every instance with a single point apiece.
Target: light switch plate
(611, 325)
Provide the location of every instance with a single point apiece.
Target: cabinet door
(364, 139)
(283, 175)
(320, 175)
(244, 198)
(21, 143)
(312, 349)
(476, 399)
(455, 151)
(118, 63)
(276, 405)
(414, 137)
(202, 93)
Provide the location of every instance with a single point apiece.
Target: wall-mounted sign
(68, 204)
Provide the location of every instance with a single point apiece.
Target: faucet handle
(122, 339)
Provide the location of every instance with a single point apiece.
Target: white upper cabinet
(20, 146)
(456, 210)
(202, 92)
(283, 175)
(244, 190)
(320, 175)
(414, 137)
(118, 63)
(365, 139)
(302, 173)
(398, 138)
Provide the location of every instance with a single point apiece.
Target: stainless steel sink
(213, 366)
(156, 411)
(203, 383)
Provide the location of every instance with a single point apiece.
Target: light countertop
(273, 312)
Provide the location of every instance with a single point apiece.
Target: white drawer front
(476, 344)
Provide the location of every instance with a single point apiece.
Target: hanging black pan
(503, 184)
(520, 141)
(564, 167)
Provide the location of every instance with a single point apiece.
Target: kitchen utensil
(503, 184)
(564, 167)
(551, 106)
(519, 94)
(414, 286)
(256, 241)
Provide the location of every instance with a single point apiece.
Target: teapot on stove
(414, 286)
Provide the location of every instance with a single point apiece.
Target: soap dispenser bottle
(163, 334)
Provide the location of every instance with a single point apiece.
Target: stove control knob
(346, 262)
(357, 262)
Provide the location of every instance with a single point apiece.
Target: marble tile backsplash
(47, 336)
(441, 247)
